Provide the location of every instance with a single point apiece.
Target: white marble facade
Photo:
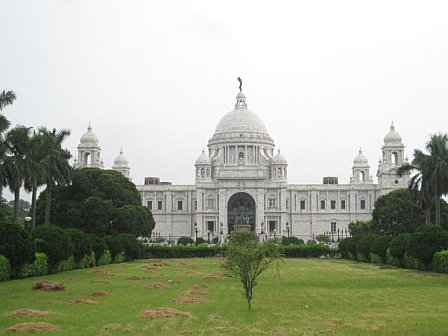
(241, 173)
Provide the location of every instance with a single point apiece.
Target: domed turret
(279, 159)
(203, 158)
(89, 138)
(361, 169)
(278, 167)
(392, 138)
(89, 151)
(121, 164)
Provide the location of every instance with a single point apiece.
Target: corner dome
(360, 160)
(392, 138)
(241, 120)
(121, 160)
(279, 159)
(89, 138)
(203, 158)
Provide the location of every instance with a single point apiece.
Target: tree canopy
(396, 213)
(98, 201)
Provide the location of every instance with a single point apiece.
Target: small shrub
(67, 264)
(440, 261)
(87, 261)
(54, 241)
(292, 241)
(375, 258)
(81, 244)
(304, 251)
(414, 263)
(426, 241)
(200, 241)
(343, 247)
(98, 244)
(130, 246)
(391, 260)
(364, 246)
(40, 265)
(380, 245)
(185, 241)
(104, 259)
(120, 257)
(5, 268)
(351, 247)
(16, 244)
(399, 245)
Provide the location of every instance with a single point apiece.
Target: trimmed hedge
(440, 262)
(5, 268)
(104, 259)
(306, 251)
(181, 251)
(38, 267)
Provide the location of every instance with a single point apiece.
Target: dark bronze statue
(241, 83)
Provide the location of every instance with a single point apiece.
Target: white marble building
(241, 179)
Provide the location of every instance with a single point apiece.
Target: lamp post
(208, 237)
(287, 228)
(195, 232)
(27, 221)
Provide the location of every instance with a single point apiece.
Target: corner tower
(392, 159)
(89, 151)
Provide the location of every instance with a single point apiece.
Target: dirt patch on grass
(134, 278)
(174, 281)
(183, 263)
(159, 263)
(99, 293)
(194, 293)
(112, 326)
(106, 273)
(33, 327)
(214, 275)
(196, 267)
(198, 287)
(101, 281)
(163, 312)
(156, 285)
(191, 300)
(383, 266)
(161, 275)
(49, 286)
(333, 322)
(191, 272)
(32, 312)
(85, 302)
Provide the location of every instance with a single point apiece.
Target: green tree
(16, 164)
(430, 181)
(6, 98)
(360, 227)
(396, 213)
(426, 241)
(99, 201)
(54, 241)
(246, 258)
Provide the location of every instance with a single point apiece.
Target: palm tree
(16, 163)
(6, 98)
(36, 177)
(431, 179)
(56, 166)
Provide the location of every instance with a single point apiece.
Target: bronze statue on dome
(241, 83)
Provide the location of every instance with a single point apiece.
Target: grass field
(309, 297)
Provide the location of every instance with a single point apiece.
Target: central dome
(241, 120)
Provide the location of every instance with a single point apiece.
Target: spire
(392, 127)
(360, 150)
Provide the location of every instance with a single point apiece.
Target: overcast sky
(155, 77)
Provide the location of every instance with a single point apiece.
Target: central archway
(241, 210)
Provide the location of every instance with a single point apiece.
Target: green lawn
(309, 297)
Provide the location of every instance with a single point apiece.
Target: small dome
(203, 158)
(360, 159)
(279, 159)
(392, 138)
(89, 138)
(121, 160)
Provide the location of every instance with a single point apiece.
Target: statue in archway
(242, 217)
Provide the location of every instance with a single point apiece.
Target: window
(342, 204)
(149, 205)
(333, 205)
(302, 205)
(195, 205)
(271, 203)
(287, 204)
(272, 226)
(179, 205)
(159, 205)
(322, 205)
(211, 226)
(333, 226)
(363, 204)
(211, 203)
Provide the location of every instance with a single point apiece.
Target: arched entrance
(241, 212)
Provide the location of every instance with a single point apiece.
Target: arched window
(394, 158)
(88, 158)
(202, 172)
(279, 172)
(362, 175)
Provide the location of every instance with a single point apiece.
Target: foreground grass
(309, 297)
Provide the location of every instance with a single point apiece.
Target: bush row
(50, 249)
(423, 249)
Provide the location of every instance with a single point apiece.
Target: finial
(241, 83)
(360, 150)
(121, 150)
(90, 126)
(278, 151)
(203, 151)
(392, 127)
(406, 158)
